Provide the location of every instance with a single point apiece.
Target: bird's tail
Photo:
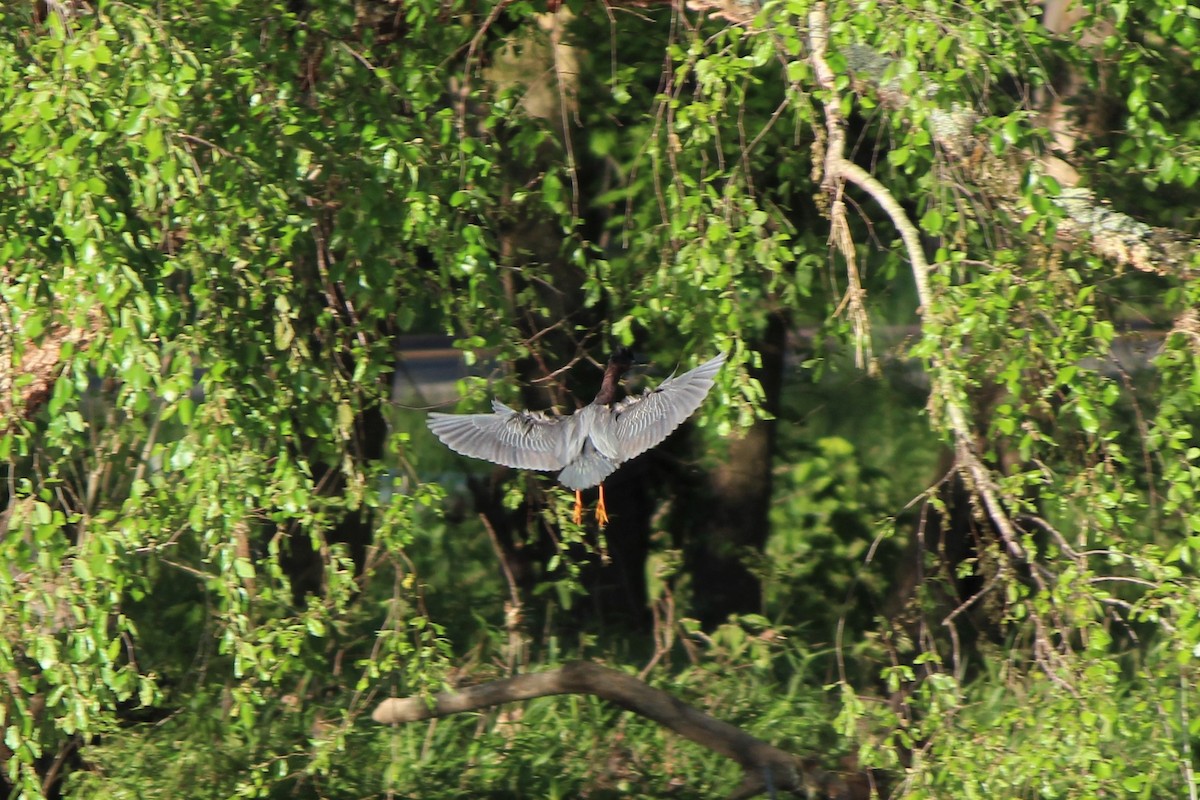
(589, 469)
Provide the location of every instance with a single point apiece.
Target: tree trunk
(733, 516)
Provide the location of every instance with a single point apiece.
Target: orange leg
(578, 517)
(601, 512)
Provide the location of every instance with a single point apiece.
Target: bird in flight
(590, 444)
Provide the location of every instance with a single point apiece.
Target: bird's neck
(610, 387)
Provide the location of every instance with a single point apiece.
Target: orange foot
(601, 512)
(578, 516)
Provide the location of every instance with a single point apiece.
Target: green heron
(590, 444)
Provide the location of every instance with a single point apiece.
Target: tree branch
(1115, 237)
(1110, 235)
(837, 169)
(765, 766)
(31, 368)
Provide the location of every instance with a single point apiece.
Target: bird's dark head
(622, 358)
(618, 364)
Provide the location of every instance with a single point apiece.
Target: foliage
(220, 551)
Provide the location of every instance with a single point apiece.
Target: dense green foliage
(221, 548)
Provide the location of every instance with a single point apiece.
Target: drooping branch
(838, 168)
(765, 766)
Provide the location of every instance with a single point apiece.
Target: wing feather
(519, 439)
(639, 422)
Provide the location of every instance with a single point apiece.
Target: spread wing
(520, 439)
(639, 422)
